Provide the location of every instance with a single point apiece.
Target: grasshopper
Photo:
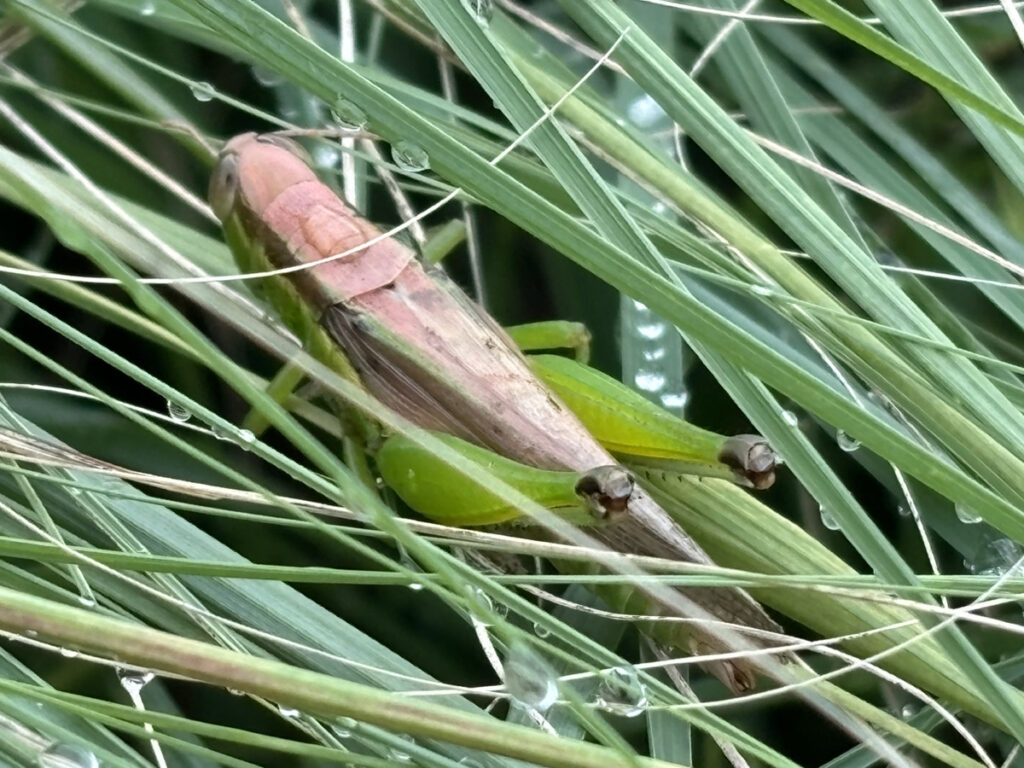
(417, 343)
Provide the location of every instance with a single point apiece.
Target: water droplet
(398, 754)
(325, 156)
(202, 91)
(762, 290)
(406, 561)
(409, 156)
(246, 437)
(343, 727)
(908, 711)
(903, 511)
(528, 678)
(480, 606)
(266, 77)
(540, 630)
(87, 601)
(966, 514)
(147, 8)
(653, 355)
(482, 10)
(828, 519)
(790, 418)
(649, 381)
(621, 692)
(347, 115)
(289, 713)
(69, 653)
(659, 208)
(846, 442)
(178, 413)
(675, 401)
(133, 680)
(645, 112)
(31, 633)
(652, 330)
(59, 755)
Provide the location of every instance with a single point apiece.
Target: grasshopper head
(252, 170)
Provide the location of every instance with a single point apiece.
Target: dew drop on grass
(846, 442)
(528, 678)
(147, 8)
(347, 115)
(828, 519)
(966, 514)
(409, 156)
(343, 727)
(652, 331)
(675, 401)
(649, 381)
(790, 418)
(325, 156)
(178, 413)
(268, 78)
(644, 111)
(621, 692)
(398, 754)
(202, 91)
(60, 755)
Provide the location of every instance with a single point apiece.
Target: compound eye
(224, 186)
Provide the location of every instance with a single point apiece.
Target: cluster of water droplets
(652, 356)
(996, 559)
